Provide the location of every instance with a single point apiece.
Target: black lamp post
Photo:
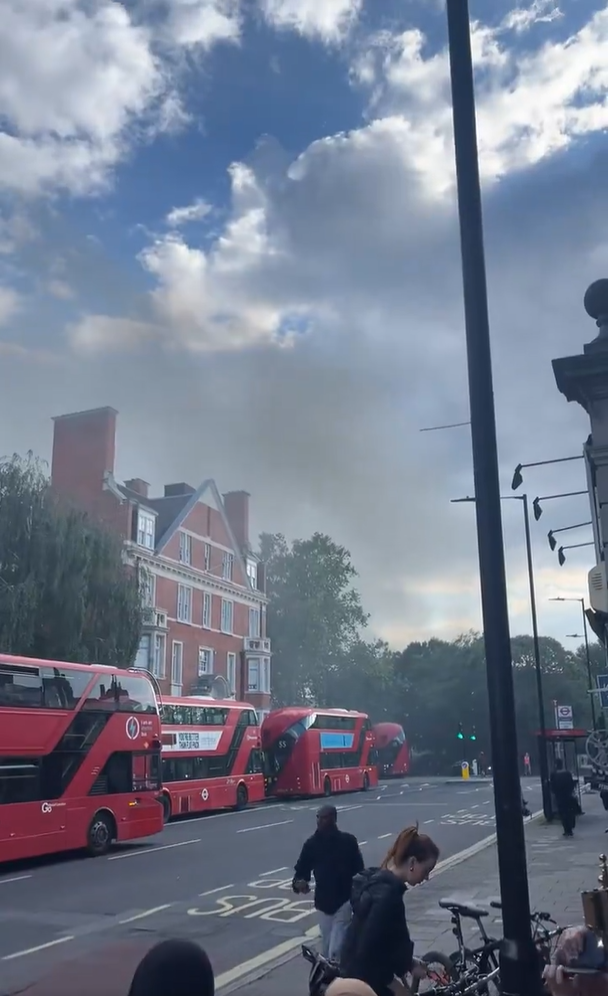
(518, 959)
(561, 556)
(518, 479)
(543, 764)
(581, 602)
(536, 504)
(564, 529)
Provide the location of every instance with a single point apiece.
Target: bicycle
(544, 937)
(484, 958)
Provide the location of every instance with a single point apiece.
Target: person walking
(334, 858)
(527, 765)
(377, 946)
(562, 786)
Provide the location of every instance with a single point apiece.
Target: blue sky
(234, 221)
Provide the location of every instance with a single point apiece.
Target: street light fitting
(564, 529)
(517, 473)
(537, 508)
(552, 540)
(562, 560)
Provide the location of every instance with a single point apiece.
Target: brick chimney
(84, 445)
(236, 506)
(138, 486)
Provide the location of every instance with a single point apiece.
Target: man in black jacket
(563, 786)
(334, 858)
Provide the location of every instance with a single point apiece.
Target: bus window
(20, 686)
(64, 689)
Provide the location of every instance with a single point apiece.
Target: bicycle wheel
(440, 972)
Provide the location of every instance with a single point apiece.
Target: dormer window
(146, 524)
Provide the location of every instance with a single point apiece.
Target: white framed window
(177, 667)
(227, 566)
(185, 548)
(146, 525)
(205, 661)
(206, 610)
(148, 589)
(254, 623)
(184, 603)
(160, 650)
(231, 672)
(207, 554)
(142, 659)
(227, 615)
(253, 674)
(265, 675)
(252, 573)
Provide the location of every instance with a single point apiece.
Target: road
(223, 879)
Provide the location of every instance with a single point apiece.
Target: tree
(65, 593)
(314, 616)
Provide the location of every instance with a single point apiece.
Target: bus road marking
(274, 871)
(17, 878)
(153, 850)
(141, 916)
(39, 947)
(264, 826)
(211, 892)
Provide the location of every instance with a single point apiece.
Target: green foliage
(316, 622)
(65, 593)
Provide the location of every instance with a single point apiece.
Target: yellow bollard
(464, 767)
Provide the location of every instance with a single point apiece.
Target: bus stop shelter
(561, 745)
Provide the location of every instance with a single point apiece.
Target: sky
(235, 222)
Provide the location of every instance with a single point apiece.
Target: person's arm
(357, 858)
(303, 866)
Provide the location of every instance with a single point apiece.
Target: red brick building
(206, 607)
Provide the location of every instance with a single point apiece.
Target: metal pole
(544, 767)
(519, 964)
(589, 677)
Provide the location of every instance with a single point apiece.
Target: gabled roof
(173, 510)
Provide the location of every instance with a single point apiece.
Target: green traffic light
(460, 735)
(473, 737)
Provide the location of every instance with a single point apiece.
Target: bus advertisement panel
(318, 751)
(79, 757)
(392, 749)
(211, 755)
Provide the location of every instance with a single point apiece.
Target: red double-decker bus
(79, 757)
(318, 751)
(211, 755)
(392, 750)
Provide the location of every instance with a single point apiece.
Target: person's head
(559, 764)
(327, 819)
(412, 857)
(349, 987)
(174, 968)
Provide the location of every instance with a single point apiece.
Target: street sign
(602, 683)
(563, 717)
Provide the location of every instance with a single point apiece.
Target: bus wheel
(101, 833)
(365, 781)
(242, 797)
(327, 787)
(166, 809)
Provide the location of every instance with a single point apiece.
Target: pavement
(558, 869)
(73, 924)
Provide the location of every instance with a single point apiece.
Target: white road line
(39, 947)
(153, 850)
(265, 826)
(378, 797)
(429, 821)
(383, 835)
(362, 842)
(275, 870)
(17, 878)
(476, 805)
(221, 888)
(142, 916)
(345, 809)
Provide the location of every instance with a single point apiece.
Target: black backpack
(322, 971)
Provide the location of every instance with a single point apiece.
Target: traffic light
(460, 733)
(473, 734)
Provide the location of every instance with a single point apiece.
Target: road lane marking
(264, 826)
(274, 871)
(345, 809)
(362, 842)
(39, 947)
(142, 916)
(383, 835)
(211, 892)
(429, 821)
(153, 850)
(17, 878)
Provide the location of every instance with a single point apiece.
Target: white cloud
(9, 304)
(202, 23)
(95, 333)
(196, 211)
(530, 104)
(539, 12)
(326, 19)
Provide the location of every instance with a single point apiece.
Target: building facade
(204, 588)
